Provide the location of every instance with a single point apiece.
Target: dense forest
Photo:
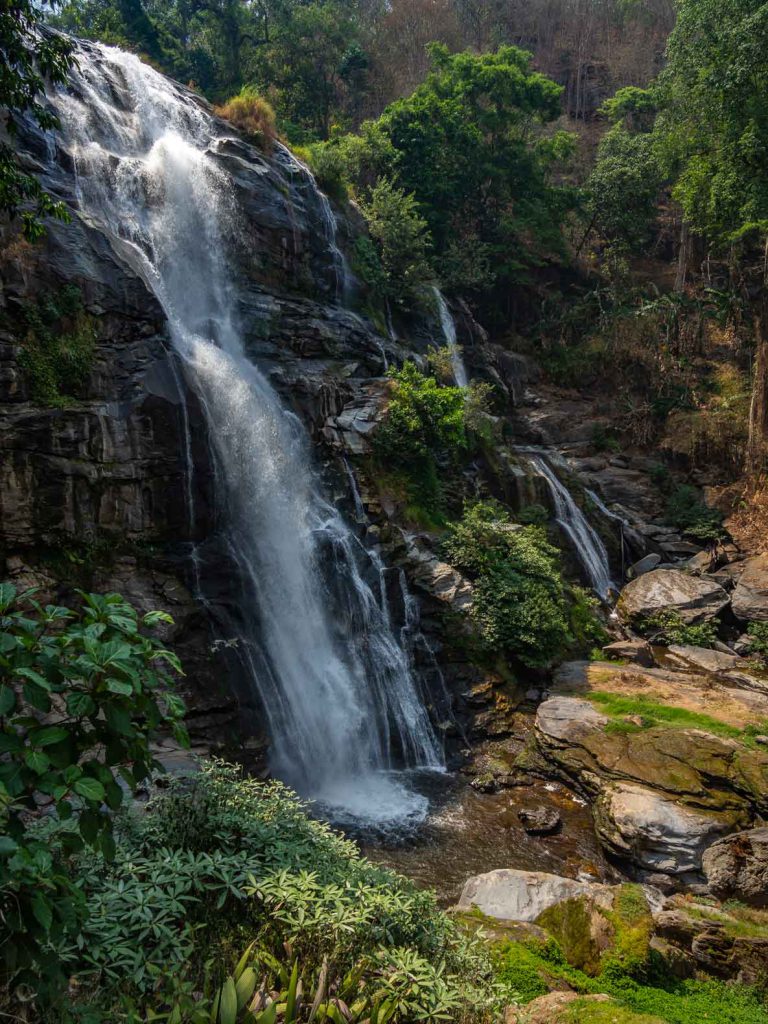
(384, 415)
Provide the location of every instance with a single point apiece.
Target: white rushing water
(585, 540)
(342, 704)
(448, 328)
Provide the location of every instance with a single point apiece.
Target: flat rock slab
(511, 895)
(695, 599)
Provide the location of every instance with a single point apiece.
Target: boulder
(695, 599)
(750, 598)
(512, 895)
(700, 659)
(539, 821)
(638, 651)
(655, 832)
(736, 867)
(644, 565)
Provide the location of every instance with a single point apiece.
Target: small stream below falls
(468, 833)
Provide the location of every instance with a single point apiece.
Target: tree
(713, 134)
(29, 58)
(623, 188)
(313, 58)
(397, 265)
(468, 145)
(82, 694)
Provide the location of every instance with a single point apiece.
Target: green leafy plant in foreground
(218, 862)
(82, 693)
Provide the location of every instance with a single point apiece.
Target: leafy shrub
(219, 861)
(251, 114)
(686, 511)
(758, 641)
(586, 628)
(533, 515)
(58, 344)
(396, 265)
(668, 628)
(424, 429)
(327, 164)
(604, 440)
(519, 602)
(81, 696)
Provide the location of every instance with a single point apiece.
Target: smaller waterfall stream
(586, 541)
(449, 336)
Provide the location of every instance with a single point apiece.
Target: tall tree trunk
(758, 409)
(683, 256)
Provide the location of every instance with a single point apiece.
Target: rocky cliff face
(109, 482)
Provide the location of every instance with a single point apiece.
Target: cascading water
(585, 540)
(448, 328)
(335, 684)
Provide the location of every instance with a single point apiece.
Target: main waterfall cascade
(336, 685)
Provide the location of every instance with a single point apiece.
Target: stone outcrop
(736, 867)
(750, 597)
(695, 599)
(511, 895)
(698, 935)
(655, 832)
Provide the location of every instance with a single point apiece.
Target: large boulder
(512, 895)
(750, 598)
(694, 598)
(655, 832)
(736, 867)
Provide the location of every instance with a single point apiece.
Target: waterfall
(586, 542)
(448, 328)
(342, 705)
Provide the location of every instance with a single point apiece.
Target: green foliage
(57, 347)
(522, 969)
(81, 696)
(668, 627)
(467, 145)
(326, 163)
(218, 861)
(586, 628)
(624, 185)
(424, 429)
(663, 997)
(712, 129)
(686, 511)
(29, 59)
(520, 600)
(603, 439)
(758, 641)
(397, 267)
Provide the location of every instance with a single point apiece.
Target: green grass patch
(654, 713)
(584, 1011)
(525, 966)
